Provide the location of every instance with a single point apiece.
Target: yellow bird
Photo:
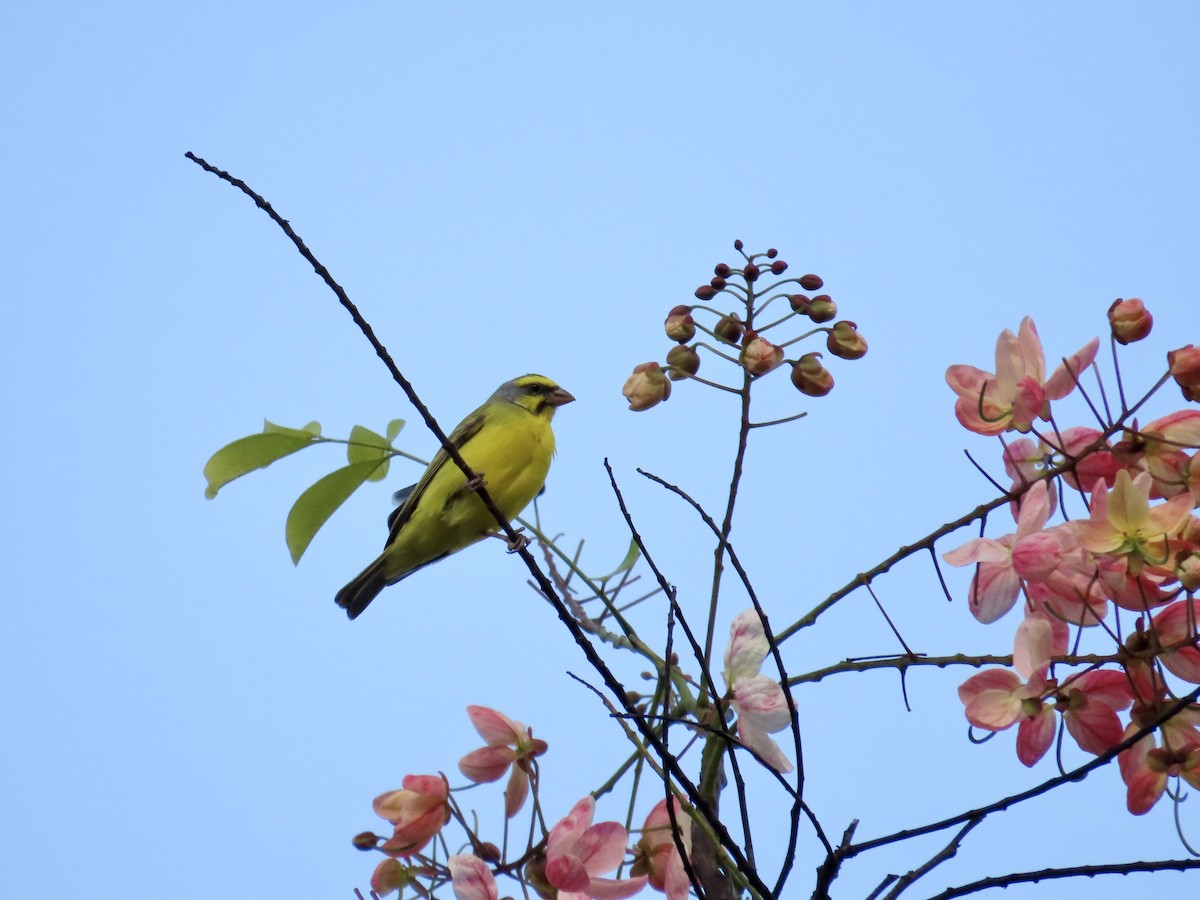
(509, 442)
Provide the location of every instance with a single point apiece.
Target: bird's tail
(365, 587)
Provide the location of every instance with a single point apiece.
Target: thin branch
(1003, 881)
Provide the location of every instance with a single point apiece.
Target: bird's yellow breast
(512, 451)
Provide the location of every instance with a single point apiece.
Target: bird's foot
(519, 542)
(475, 483)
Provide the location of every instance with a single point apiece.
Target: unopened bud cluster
(759, 299)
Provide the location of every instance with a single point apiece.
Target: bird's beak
(559, 397)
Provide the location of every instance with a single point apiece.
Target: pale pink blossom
(759, 701)
(996, 699)
(389, 876)
(1124, 524)
(656, 854)
(509, 743)
(1145, 768)
(1031, 553)
(1019, 391)
(471, 878)
(578, 851)
(418, 810)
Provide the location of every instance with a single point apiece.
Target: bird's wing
(467, 429)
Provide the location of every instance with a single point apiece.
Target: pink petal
(1095, 728)
(1033, 646)
(747, 648)
(993, 710)
(516, 791)
(567, 874)
(494, 727)
(762, 700)
(486, 764)
(764, 745)
(471, 878)
(1062, 381)
(1143, 788)
(979, 550)
(988, 680)
(993, 592)
(602, 847)
(614, 889)
(1034, 736)
(570, 827)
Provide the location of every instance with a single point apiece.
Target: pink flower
(471, 878)
(1019, 391)
(509, 743)
(390, 875)
(759, 701)
(1030, 554)
(1123, 524)
(1146, 767)
(577, 851)
(997, 699)
(656, 853)
(418, 811)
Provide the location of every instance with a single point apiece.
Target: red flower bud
(682, 359)
(722, 270)
(646, 387)
(778, 267)
(366, 841)
(705, 292)
(729, 329)
(1130, 320)
(718, 283)
(822, 308)
(845, 341)
(738, 245)
(1184, 366)
(751, 272)
(811, 282)
(772, 253)
(810, 377)
(680, 326)
(799, 303)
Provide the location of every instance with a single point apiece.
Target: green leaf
(367, 446)
(393, 429)
(254, 452)
(312, 429)
(313, 508)
(631, 557)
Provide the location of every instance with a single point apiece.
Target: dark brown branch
(1003, 881)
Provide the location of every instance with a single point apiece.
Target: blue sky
(506, 190)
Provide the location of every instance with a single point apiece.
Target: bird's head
(536, 393)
